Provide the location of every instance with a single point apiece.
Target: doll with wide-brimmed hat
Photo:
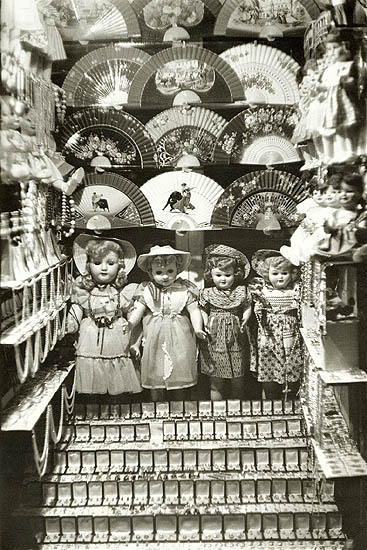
(167, 306)
(277, 310)
(226, 309)
(99, 311)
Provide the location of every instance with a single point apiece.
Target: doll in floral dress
(99, 308)
(226, 309)
(167, 306)
(276, 305)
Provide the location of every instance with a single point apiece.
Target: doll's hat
(80, 253)
(167, 250)
(228, 252)
(258, 258)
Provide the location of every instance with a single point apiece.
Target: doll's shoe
(286, 251)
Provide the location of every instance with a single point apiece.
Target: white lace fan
(259, 135)
(103, 76)
(182, 200)
(110, 200)
(248, 198)
(267, 74)
(183, 131)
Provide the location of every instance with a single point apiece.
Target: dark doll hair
(97, 250)
(223, 263)
(278, 262)
(165, 259)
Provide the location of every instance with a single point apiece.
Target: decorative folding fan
(100, 19)
(268, 75)
(115, 136)
(103, 76)
(182, 200)
(258, 135)
(180, 68)
(242, 17)
(185, 130)
(110, 200)
(248, 199)
(168, 6)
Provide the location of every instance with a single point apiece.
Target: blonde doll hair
(223, 263)
(99, 249)
(280, 263)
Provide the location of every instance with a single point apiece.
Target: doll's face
(28, 124)
(331, 197)
(164, 273)
(348, 196)
(280, 277)
(319, 197)
(337, 51)
(223, 278)
(104, 270)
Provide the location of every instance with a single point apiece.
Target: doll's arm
(74, 317)
(135, 341)
(205, 317)
(196, 320)
(136, 314)
(245, 317)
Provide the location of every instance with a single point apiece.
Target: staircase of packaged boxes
(220, 474)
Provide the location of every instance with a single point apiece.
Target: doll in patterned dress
(167, 306)
(99, 308)
(226, 309)
(279, 359)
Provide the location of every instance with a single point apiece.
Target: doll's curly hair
(278, 262)
(223, 263)
(96, 250)
(165, 259)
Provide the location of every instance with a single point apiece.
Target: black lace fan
(106, 137)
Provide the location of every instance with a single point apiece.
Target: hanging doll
(226, 309)
(168, 307)
(337, 235)
(324, 202)
(98, 312)
(276, 306)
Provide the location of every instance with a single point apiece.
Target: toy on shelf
(226, 309)
(168, 307)
(279, 360)
(98, 313)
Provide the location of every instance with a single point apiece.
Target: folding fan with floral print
(258, 135)
(110, 200)
(96, 20)
(250, 199)
(185, 130)
(106, 136)
(267, 74)
(276, 18)
(181, 69)
(182, 200)
(103, 76)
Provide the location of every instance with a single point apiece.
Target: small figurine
(226, 309)
(98, 312)
(168, 307)
(268, 221)
(279, 361)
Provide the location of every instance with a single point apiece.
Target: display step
(238, 545)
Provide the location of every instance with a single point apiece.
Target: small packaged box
(175, 460)
(309, 490)
(217, 491)
(295, 490)
(254, 531)
(288, 406)
(249, 430)
(302, 525)
(74, 462)
(279, 428)
(52, 529)
(256, 407)
(101, 529)
(191, 409)
(85, 529)
(125, 411)
(303, 460)
(277, 406)
(148, 410)
(49, 494)
(270, 526)
(233, 459)
(233, 407)
(115, 411)
(186, 488)
(97, 433)
(155, 491)
(219, 460)
(68, 529)
(125, 489)
(160, 460)
(120, 529)
(189, 528)
(220, 429)
(142, 528)
(79, 411)
(112, 432)
(176, 409)
(204, 460)
(219, 408)
(327, 489)
(207, 429)
(140, 492)
(246, 408)
(195, 430)
(146, 461)
(248, 489)
(334, 525)
(318, 525)
(234, 527)
(131, 461)
(267, 406)
(248, 460)
(142, 432)
(110, 492)
(166, 528)
(205, 409)
(60, 464)
(294, 427)
(211, 527)
(171, 491)
(92, 411)
(80, 493)
(286, 526)
(277, 460)
(263, 488)
(104, 413)
(233, 492)
(189, 460)
(202, 491)
(291, 460)
(117, 461)
(182, 430)
(135, 410)
(127, 432)
(82, 432)
(95, 493)
(102, 461)
(262, 459)
(264, 430)
(279, 490)
(162, 410)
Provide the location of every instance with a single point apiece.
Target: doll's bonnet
(80, 254)
(145, 259)
(228, 252)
